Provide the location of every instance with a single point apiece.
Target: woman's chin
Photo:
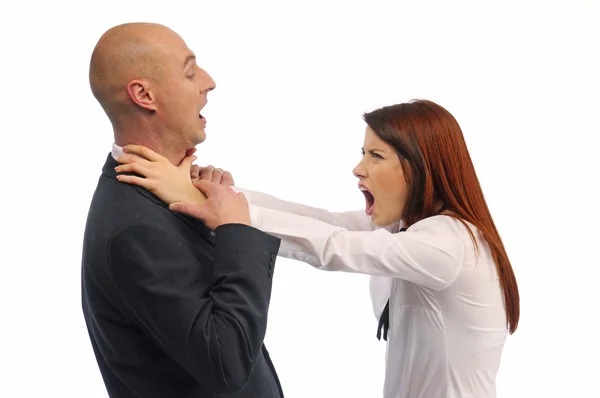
(375, 220)
(382, 220)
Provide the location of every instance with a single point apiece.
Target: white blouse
(447, 317)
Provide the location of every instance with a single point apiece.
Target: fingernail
(173, 207)
(117, 168)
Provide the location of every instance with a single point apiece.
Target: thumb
(192, 210)
(186, 163)
(207, 187)
(190, 151)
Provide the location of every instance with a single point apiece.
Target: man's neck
(173, 155)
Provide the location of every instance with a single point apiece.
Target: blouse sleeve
(429, 253)
(379, 286)
(380, 290)
(350, 220)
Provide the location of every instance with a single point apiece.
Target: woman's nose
(359, 171)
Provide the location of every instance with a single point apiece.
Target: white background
(293, 78)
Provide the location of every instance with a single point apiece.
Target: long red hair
(438, 168)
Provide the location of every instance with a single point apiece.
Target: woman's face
(382, 181)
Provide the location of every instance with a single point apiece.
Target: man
(173, 309)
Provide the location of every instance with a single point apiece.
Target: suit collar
(109, 171)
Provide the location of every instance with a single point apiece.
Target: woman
(444, 285)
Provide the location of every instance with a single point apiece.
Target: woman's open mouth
(370, 199)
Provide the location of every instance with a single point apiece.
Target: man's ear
(139, 92)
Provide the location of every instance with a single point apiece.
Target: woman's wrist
(196, 196)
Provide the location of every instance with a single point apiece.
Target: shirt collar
(116, 151)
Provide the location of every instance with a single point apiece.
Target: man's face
(182, 93)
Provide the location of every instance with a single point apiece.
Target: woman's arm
(379, 286)
(173, 183)
(350, 220)
(429, 253)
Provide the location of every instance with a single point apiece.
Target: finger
(134, 180)
(195, 171)
(192, 210)
(227, 179)
(206, 173)
(136, 168)
(186, 163)
(144, 152)
(124, 159)
(216, 177)
(207, 187)
(190, 152)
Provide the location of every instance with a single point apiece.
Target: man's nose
(208, 84)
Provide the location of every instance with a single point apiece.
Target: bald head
(124, 53)
(150, 86)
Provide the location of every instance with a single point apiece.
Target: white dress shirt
(447, 315)
(116, 151)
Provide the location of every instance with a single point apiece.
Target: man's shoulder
(122, 197)
(116, 205)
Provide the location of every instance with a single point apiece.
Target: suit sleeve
(210, 318)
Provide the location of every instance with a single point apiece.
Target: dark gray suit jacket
(173, 309)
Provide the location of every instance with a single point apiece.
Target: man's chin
(200, 137)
